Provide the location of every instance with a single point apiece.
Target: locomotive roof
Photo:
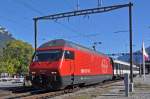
(62, 42)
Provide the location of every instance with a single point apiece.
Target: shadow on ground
(19, 89)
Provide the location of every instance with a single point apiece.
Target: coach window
(69, 54)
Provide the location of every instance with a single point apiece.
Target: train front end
(43, 70)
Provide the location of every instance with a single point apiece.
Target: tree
(16, 57)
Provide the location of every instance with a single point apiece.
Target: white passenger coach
(121, 67)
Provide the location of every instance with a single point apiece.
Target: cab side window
(69, 54)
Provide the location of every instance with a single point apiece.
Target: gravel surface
(9, 84)
(110, 91)
(7, 87)
(115, 91)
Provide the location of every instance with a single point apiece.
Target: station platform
(117, 90)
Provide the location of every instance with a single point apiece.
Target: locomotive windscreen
(50, 55)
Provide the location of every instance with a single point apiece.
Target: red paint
(86, 62)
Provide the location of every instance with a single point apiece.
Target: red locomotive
(59, 64)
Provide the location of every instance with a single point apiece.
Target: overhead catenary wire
(77, 32)
(29, 7)
(14, 22)
(65, 26)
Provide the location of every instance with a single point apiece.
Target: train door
(69, 55)
(117, 69)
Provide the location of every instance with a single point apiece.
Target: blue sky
(16, 16)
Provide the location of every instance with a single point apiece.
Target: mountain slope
(137, 56)
(5, 36)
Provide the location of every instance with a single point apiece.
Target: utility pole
(35, 33)
(140, 70)
(130, 43)
(143, 60)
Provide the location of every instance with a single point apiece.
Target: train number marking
(85, 71)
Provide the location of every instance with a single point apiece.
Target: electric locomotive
(59, 64)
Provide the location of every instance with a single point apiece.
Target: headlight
(53, 73)
(33, 72)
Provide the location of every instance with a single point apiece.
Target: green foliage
(16, 57)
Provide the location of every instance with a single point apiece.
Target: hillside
(137, 56)
(5, 36)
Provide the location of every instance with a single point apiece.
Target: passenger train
(121, 67)
(59, 64)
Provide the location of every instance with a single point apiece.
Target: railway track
(44, 94)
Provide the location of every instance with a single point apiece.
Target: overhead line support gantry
(92, 11)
